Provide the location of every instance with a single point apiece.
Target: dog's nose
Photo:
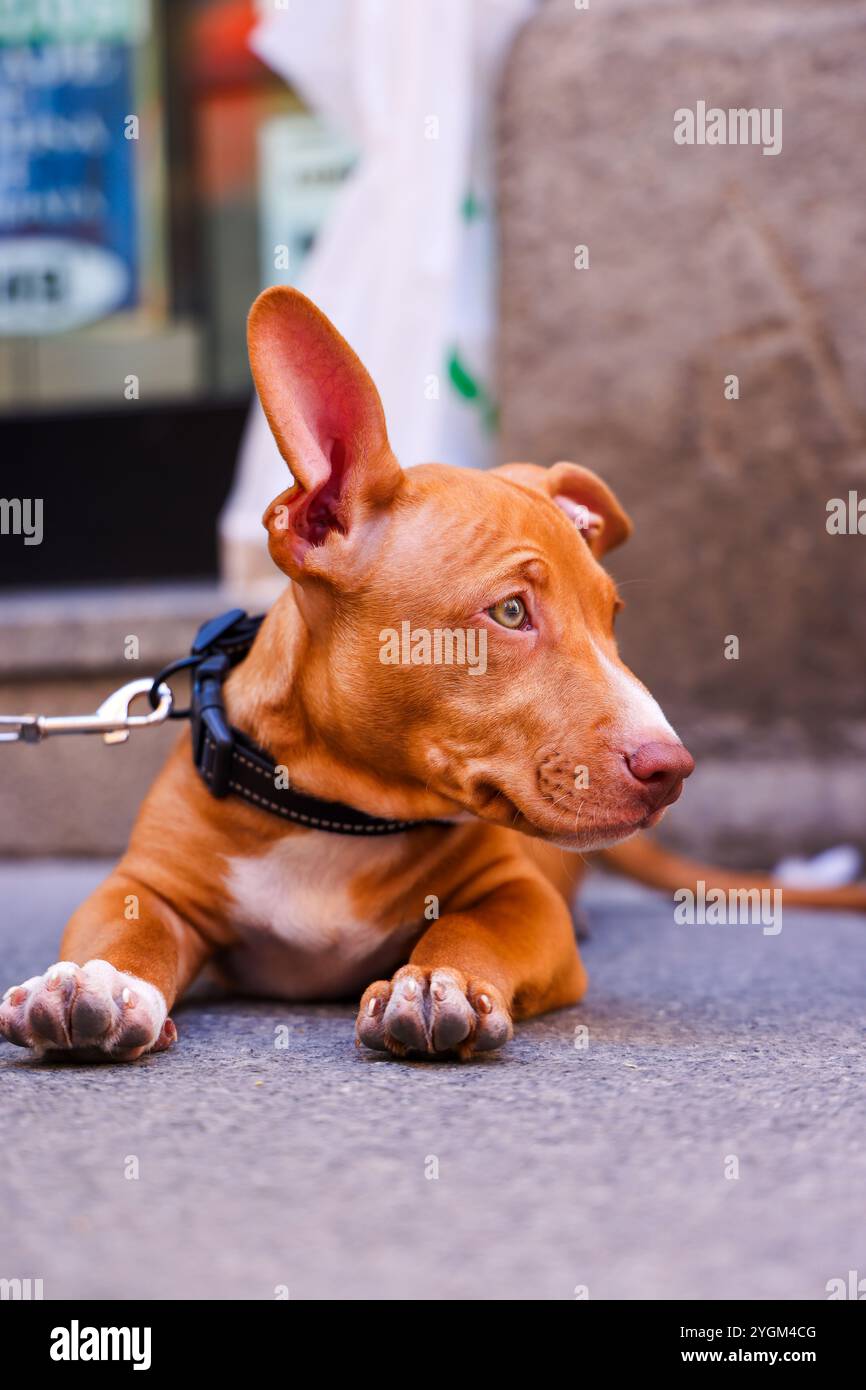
(661, 766)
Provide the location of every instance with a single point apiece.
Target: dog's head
(461, 624)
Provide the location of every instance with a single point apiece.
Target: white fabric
(398, 269)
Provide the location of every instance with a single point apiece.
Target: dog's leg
(508, 956)
(126, 956)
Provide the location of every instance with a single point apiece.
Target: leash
(227, 759)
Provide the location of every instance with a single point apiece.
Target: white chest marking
(300, 931)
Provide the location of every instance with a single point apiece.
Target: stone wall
(707, 261)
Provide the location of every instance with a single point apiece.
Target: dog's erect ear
(327, 419)
(582, 496)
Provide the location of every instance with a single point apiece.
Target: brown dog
(550, 737)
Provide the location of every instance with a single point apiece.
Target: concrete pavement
(709, 1048)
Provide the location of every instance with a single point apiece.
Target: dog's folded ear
(584, 498)
(327, 419)
(590, 504)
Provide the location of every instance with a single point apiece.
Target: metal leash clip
(112, 720)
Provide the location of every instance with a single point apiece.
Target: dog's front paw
(87, 1013)
(432, 1013)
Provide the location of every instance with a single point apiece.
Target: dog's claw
(167, 1037)
(432, 1013)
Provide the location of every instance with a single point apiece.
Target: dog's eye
(510, 612)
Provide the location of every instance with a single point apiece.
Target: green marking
(470, 208)
(466, 386)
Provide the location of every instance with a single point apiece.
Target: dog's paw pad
(432, 1013)
(86, 1012)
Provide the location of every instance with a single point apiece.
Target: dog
(459, 925)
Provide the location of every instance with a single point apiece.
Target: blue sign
(68, 209)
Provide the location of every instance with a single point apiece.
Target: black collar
(228, 760)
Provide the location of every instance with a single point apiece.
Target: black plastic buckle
(210, 632)
(208, 716)
(213, 740)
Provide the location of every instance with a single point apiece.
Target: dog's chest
(303, 928)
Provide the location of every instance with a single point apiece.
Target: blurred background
(486, 197)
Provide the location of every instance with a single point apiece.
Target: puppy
(443, 655)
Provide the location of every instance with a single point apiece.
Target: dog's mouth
(567, 828)
(489, 802)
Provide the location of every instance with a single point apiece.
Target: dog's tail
(646, 861)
